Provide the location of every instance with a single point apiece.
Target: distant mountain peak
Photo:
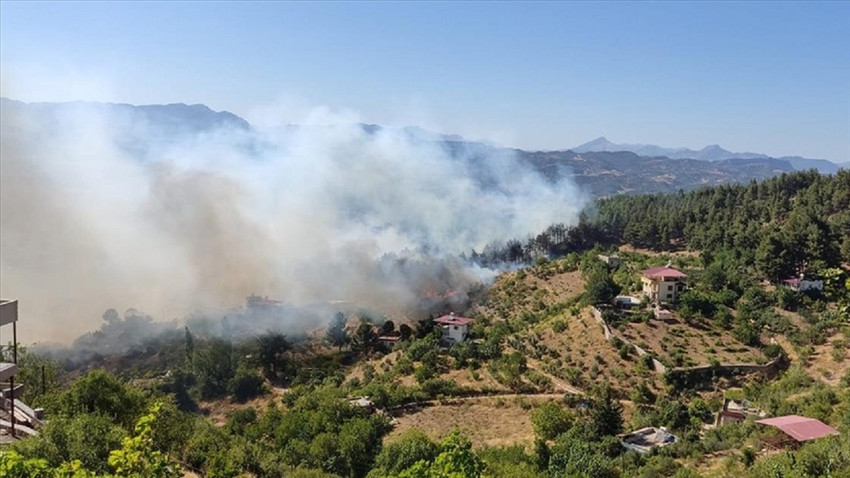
(712, 152)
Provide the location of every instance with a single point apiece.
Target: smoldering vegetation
(183, 212)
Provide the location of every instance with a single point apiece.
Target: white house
(455, 329)
(663, 284)
(802, 284)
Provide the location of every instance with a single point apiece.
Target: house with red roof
(663, 284)
(455, 329)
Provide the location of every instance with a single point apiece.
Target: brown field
(822, 365)
(698, 344)
(487, 421)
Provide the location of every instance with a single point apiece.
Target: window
(454, 327)
(669, 287)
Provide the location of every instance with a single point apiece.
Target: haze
(768, 77)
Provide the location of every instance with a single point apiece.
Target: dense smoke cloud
(104, 207)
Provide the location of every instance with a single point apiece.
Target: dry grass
(217, 410)
(487, 421)
(822, 365)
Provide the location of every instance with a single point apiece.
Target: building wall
(661, 290)
(456, 333)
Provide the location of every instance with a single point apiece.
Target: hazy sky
(771, 77)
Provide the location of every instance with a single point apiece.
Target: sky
(767, 77)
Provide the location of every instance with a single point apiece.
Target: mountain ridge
(712, 152)
(600, 173)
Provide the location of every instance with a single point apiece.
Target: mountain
(709, 153)
(609, 173)
(600, 167)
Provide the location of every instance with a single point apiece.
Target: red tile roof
(453, 320)
(664, 273)
(800, 428)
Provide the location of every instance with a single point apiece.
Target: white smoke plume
(101, 207)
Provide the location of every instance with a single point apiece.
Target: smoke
(114, 206)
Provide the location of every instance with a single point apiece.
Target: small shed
(796, 429)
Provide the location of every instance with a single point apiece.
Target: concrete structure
(645, 439)
(626, 301)
(612, 261)
(8, 370)
(801, 284)
(455, 329)
(662, 314)
(663, 284)
(729, 417)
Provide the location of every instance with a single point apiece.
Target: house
(389, 341)
(795, 430)
(663, 284)
(455, 329)
(729, 417)
(612, 261)
(801, 284)
(645, 439)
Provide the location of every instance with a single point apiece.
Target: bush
(246, 385)
(412, 446)
(550, 420)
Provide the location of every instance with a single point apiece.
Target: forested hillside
(793, 223)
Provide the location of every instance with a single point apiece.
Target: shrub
(246, 385)
(550, 420)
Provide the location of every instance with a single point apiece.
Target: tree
(411, 447)
(336, 331)
(215, 367)
(425, 327)
(606, 413)
(190, 345)
(365, 339)
(388, 328)
(138, 456)
(405, 332)
(550, 420)
(101, 392)
(271, 348)
(456, 460)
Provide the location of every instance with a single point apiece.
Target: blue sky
(771, 77)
